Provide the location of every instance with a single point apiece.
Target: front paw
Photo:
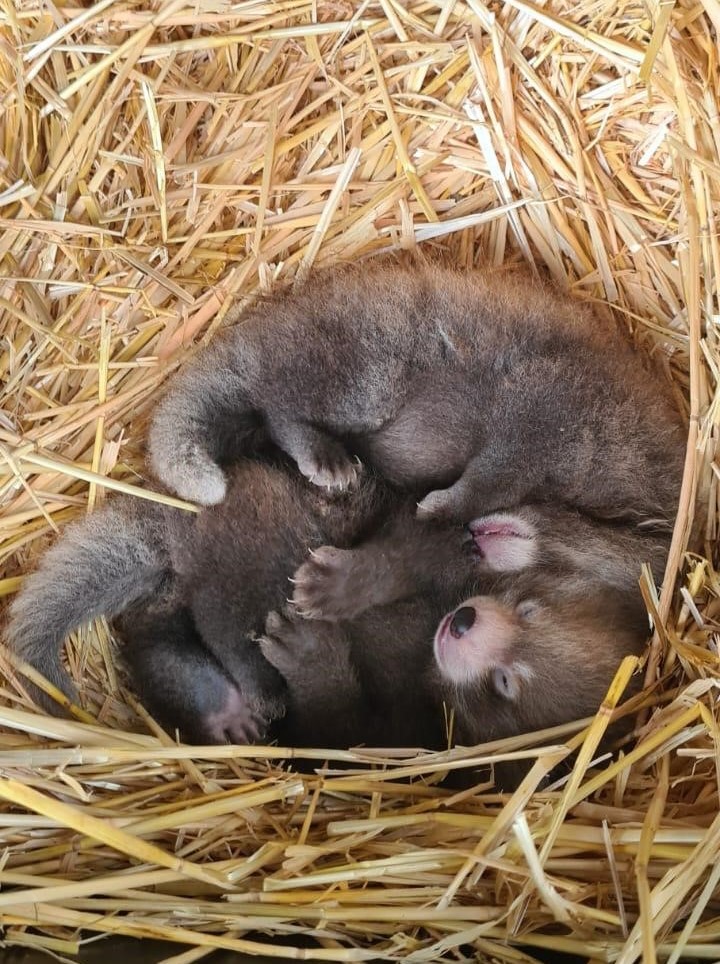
(289, 643)
(324, 585)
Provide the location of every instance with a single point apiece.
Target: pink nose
(463, 620)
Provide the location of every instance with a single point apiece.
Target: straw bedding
(160, 162)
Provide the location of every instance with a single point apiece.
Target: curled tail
(96, 568)
(204, 420)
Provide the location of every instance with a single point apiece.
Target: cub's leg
(181, 683)
(321, 458)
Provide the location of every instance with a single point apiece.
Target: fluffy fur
(374, 678)
(193, 592)
(226, 567)
(536, 643)
(489, 388)
(534, 658)
(550, 545)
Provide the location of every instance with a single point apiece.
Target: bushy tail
(204, 420)
(96, 568)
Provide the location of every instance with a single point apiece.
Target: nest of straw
(160, 163)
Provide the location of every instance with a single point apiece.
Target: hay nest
(158, 164)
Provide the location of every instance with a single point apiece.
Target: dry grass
(157, 164)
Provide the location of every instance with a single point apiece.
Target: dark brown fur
(192, 593)
(228, 566)
(542, 647)
(374, 680)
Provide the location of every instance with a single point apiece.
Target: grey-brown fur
(489, 388)
(181, 683)
(98, 567)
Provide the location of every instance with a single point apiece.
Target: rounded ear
(504, 542)
(505, 682)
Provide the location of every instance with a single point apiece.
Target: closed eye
(527, 608)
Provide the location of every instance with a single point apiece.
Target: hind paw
(236, 721)
(329, 466)
(313, 657)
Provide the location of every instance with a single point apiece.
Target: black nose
(462, 621)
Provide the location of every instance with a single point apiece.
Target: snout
(474, 638)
